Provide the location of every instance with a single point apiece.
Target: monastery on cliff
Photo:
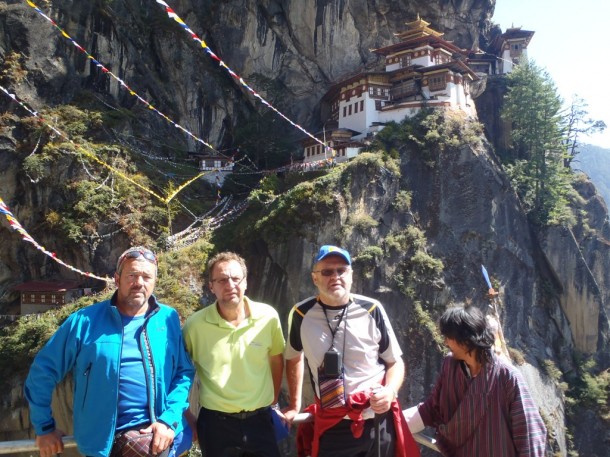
(422, 70)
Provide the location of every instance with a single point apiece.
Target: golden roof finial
(417, 28)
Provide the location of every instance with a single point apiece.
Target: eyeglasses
(224, 281)
(136, 254)
(331, 271)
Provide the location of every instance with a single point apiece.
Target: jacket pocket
(86, 376)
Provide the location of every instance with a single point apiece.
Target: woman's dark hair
(468, 326)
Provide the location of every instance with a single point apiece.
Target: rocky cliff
(299, 48)
(420, 221)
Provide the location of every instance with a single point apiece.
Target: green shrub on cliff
(431, 132)
(297, 210)
(97, 186)
(20, 341)
(590, 391)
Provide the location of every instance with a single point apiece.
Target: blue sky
(571, 44)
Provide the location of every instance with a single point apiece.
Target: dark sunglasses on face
(148, 255)
(331, 271)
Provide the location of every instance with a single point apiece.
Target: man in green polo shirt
(237, 348)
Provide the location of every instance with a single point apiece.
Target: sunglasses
(331, 271)
(148, 255)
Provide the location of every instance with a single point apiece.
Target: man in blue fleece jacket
(128, 363)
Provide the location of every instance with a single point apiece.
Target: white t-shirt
(370, 340)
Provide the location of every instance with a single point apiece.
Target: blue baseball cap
(328, 250)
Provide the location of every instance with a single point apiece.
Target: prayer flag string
(119, 80)
(15, 225)
(80, 148)
(105, 70)
(97, 159)
(172, 15)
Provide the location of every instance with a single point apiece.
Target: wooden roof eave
(432, 41)
(335, 89)
(457, 66)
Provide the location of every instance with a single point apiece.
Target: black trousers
(223, 435)
(340, 442)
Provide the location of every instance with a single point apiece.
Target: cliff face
(298, 47)
(462, 203)
(456, 202)
(304, 45)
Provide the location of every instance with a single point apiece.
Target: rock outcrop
(438, 214)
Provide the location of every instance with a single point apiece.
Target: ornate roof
(418, 34)
(511, 34)
(416, 29)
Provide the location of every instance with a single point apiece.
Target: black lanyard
(334, 332)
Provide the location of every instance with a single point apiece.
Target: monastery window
(349, 110)
(515, 49)
(437, 82)
(376, 91)
(361, 105)
(404, 89)
(405, 60)
(355, 107)
(344, 111)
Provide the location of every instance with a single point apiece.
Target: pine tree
(579, 123)
(533, 107)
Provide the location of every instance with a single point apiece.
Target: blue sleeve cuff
(46, 428)
(173, 426)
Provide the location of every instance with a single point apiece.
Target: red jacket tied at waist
(308, 434)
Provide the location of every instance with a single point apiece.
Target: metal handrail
(14, 447)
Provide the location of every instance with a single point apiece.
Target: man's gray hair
(136, 252)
